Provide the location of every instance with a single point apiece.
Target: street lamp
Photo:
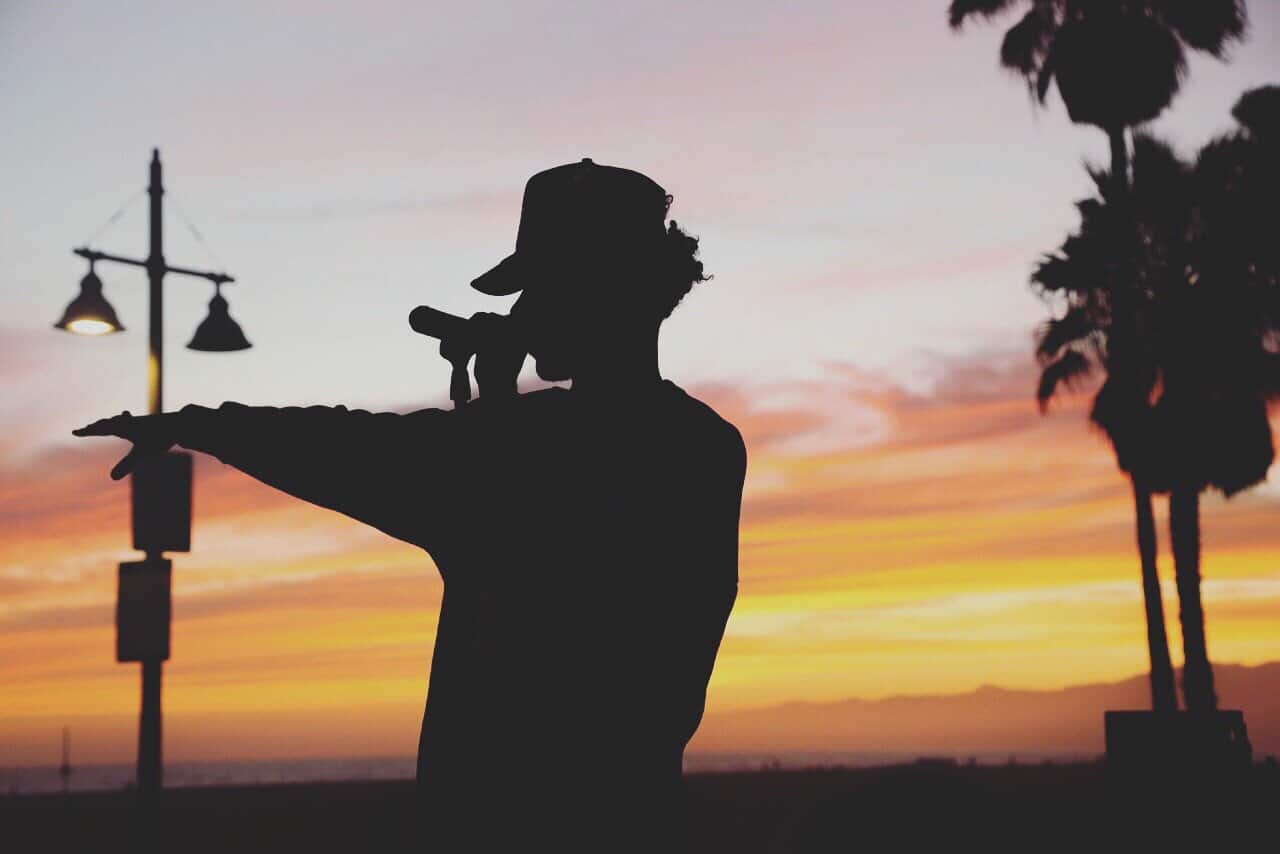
(218, 333)
(90, 313)
(160, 490)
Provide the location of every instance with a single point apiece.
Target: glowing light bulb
(90, 326)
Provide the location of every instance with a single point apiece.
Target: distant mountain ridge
(987, 721)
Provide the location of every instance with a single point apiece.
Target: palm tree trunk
(1184, 530)
(1163, 694)
(1119, 155)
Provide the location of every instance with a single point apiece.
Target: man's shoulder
(716, 432)
(694, 420)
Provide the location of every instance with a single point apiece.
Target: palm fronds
(1172, 290)
(1066, 370)
(1116, 64)
(1258, 110)
(1207, 25)
(1075, 327)
(1026, 44)
(962, 9)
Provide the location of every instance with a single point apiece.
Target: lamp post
(160, 494)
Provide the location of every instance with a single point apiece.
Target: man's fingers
(104, 426)
(97, 428)
(453, 353)
(143, 432)
(146, 433)
(140, 453)
(126, 465)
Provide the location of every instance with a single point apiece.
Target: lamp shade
(90, 313)
(218, 333)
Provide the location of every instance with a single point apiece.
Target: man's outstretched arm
(381, 468)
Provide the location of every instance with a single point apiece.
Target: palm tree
(1171, 287)
(1103, 274)
(1117, 63)
(1221, 342)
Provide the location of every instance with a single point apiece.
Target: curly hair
(679, 268)
(659, 274)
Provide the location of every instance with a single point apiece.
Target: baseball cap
(606, 209)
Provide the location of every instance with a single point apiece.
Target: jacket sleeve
(396, 472)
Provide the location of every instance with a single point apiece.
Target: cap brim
(504, 279)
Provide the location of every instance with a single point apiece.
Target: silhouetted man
(587, 537)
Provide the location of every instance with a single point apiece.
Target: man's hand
(499, 352)
(151, 436)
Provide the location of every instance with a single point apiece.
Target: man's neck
(620, 372)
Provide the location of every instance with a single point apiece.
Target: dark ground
(928, 805)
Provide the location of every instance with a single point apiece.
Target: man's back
(589, 570)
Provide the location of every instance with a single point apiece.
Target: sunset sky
(871, 192)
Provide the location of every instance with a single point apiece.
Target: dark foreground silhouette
(587, 537)
(928, 806)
